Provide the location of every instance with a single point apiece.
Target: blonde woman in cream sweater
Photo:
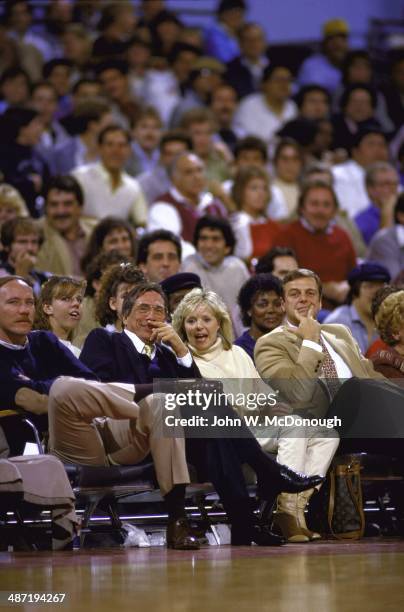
(203, 322)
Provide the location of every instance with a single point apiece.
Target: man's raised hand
(309, 328)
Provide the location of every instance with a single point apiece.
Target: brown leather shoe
(179, 536)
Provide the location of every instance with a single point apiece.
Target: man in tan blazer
(293, 355)
(314, 367)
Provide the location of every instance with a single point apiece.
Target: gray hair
(173, 165)
(374, 169)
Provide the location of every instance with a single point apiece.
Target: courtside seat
(19, 414)
(102, 487)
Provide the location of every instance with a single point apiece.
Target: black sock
(263, 464)
(175, 502)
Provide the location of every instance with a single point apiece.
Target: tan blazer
(54, 255)
(294, 369)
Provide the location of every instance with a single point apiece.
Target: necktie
(148, 350)
(329, 371)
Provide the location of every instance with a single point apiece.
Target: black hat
(369, 271)
(182, 280)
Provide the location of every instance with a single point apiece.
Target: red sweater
(263, 236)
(330, 255)
(191, 214)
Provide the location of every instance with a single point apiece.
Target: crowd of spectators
(135, 148)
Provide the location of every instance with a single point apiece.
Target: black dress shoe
(293, 482)
(262, 536)
(180, 537)
(287, 481)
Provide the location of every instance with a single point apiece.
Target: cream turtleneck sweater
(240, 378)
(216, 362)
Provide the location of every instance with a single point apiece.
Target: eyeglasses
(145, 309)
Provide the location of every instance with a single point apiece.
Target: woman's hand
(164, 332)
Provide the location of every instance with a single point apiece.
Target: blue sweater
(246, 342)
(37, 366)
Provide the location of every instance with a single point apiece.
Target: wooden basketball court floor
(325, 577)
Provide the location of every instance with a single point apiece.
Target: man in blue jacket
(29, 361)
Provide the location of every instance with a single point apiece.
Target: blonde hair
(390, 317)
(9, 196)
(190, 303)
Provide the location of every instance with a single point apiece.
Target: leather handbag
(346, 518)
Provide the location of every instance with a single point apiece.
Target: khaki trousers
(89, 420)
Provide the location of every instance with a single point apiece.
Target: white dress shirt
(163, 215)
(349, 185)
(256, 118)
(14, 347)
(100, 200)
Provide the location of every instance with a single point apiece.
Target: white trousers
(304, 449)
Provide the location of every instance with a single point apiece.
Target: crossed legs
(94, 423)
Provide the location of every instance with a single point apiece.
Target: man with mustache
(35, 365)
(66, 233)
(29, 361)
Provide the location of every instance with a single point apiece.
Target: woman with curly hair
(116, 283)
(389, 320)
(110, 234)
(59, 308)
(95, 270)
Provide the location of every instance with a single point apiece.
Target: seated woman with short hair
(59, 308)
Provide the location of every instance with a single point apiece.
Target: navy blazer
(114, 358)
